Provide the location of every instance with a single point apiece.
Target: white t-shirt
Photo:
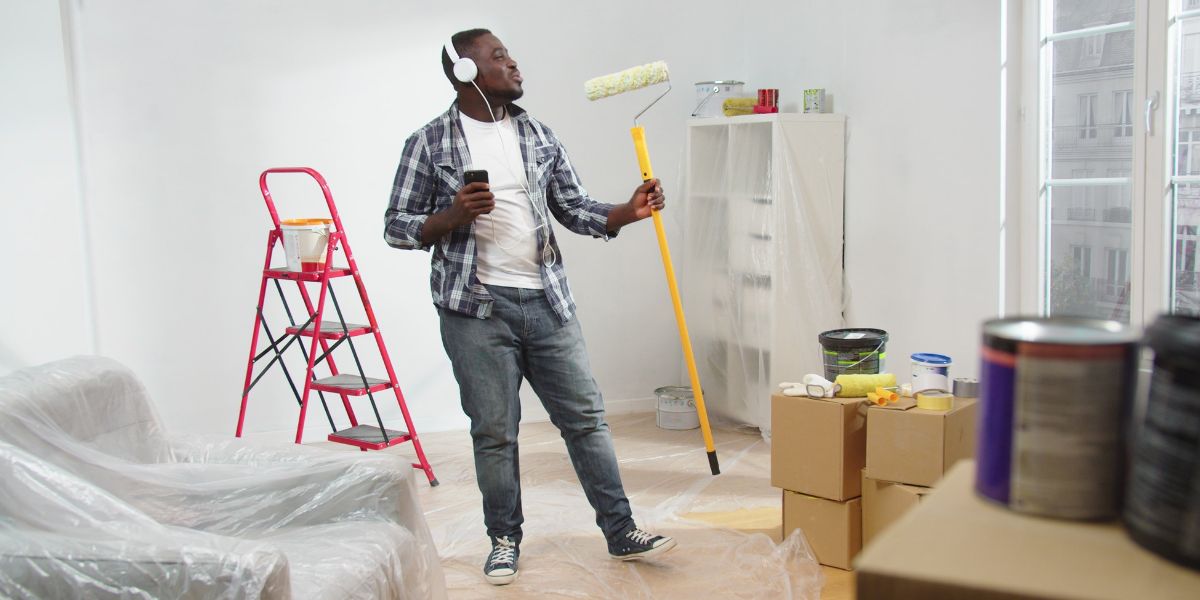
(506, 250)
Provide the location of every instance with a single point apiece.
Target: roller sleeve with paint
(630, 79)
(857, 386)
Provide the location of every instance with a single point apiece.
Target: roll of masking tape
(966, 387)
(935, 400)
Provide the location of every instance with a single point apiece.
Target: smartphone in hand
(475, 176)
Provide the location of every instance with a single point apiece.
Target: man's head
(498, 76)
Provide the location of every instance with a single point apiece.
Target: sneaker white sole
(651, 553)
(501, 579)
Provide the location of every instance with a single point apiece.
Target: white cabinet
(762, 261)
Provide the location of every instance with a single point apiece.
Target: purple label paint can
(1055, 394)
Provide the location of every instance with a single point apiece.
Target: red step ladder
(330, 334)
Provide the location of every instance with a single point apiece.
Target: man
(501, 292)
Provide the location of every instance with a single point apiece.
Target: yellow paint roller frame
(643, 156)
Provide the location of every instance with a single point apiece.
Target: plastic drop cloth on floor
(98, 501)
(667, 479)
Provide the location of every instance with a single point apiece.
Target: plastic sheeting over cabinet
(99, 502)
(762, 265)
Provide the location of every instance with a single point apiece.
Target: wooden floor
(728, 527)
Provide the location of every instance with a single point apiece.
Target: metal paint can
(1162, 505)
(1055, 396)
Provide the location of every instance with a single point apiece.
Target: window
(1184, 205)
(1186, 153)
(1116, 282)
(1083, 206)
(1123, 108)
(1116, 207)
(1185, 259)
(1092, 47)
(1082, 257)
(1124, 184)
(1087, 116)
(1086, 54)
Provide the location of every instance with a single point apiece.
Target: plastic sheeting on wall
(99, 502)
(762, 267)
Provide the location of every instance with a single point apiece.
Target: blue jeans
(524, 338)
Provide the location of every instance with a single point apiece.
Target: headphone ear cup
(465, 70)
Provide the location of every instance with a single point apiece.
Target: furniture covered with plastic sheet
(99, 501)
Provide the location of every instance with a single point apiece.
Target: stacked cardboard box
(818, 450)
(908, 449)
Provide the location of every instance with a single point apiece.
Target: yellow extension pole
(643, 156)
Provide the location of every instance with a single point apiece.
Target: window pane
(1091, 120)
(1186, 295)
(1092, 105)
(1089, 250)
(1070, 15)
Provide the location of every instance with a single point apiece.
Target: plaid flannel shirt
(429, 175)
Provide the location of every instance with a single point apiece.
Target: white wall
(44, 297)
(184, 103)
(920, 82)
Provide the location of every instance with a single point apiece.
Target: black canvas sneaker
(636, 544)
(501, 564)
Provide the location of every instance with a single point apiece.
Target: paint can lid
(852, 339)
(1005, 334)
(930, 358)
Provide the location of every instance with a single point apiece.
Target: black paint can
(1162, 503)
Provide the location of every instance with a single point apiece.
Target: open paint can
(676, 408)
(1055, 397)
(711, 96)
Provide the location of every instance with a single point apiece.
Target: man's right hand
(472, 200)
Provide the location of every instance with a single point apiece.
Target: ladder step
(332, 330)
(369, 437)
(351, 385)
(282, 273)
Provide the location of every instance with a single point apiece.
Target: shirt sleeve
(570, 203)
(412, 198)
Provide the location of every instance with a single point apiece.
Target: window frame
(1027, 283)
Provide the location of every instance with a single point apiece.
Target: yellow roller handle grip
(643, 155)
(639, 144)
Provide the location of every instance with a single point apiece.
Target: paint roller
(617, 83)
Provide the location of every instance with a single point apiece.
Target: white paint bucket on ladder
(676, 408)
(304, 242)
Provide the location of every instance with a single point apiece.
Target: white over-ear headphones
(465, 69)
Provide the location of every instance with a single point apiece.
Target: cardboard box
(916, 446)
(884, 502)
(818, 446)
(957, 545)
(833, 529)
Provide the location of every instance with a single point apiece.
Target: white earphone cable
(548, 254)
